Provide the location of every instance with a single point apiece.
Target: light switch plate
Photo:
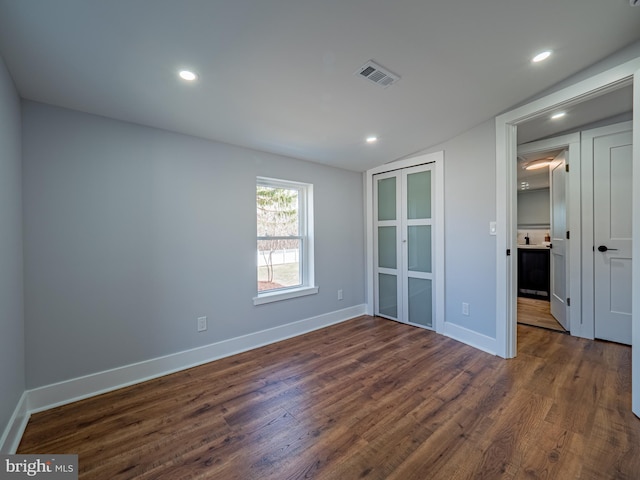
(202, 324)
(492, 228)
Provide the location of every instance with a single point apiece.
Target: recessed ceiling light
(555, 116)
(188, 75)
(541, 56)
(372, 139)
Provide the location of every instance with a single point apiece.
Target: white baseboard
(13, 433)
(471, 338)
(68, 391)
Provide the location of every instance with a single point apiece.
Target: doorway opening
(507, 139)
(541, 211)
(548, 209)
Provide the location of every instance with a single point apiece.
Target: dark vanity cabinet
(533, 273)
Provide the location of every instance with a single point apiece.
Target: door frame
(506, 147)
(506, 152)
(438, 260)
(571, 143)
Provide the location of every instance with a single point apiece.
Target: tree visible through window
(281, 235)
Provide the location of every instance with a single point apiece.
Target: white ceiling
(579, 116)
(613, 106)
(278, 75)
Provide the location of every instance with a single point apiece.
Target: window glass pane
(419, 245)
(388, 295)
(387, 247)
(419, 195)
(387, 199)
(420, 310)
(279, 264)
(277, 211)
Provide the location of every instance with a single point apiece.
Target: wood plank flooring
(537, 313)
(365, 399)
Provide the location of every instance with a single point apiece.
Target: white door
(387, 245)
(403, 245)
(418, 245)
(612, 217)
(558, 254)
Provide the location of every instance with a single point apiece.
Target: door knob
(604, 248)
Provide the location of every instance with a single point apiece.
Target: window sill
(284, 295)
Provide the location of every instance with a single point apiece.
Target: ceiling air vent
(377, 74)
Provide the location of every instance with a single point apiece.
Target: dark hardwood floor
(537, 313)
(368, 398)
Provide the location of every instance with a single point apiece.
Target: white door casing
(635, 274)
(559, 278)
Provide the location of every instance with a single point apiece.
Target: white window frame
(305, 222)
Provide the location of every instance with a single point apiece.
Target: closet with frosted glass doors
(403, 245)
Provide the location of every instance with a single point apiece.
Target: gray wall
(12, 369)
(470, 204)
(534, 207)
(133, 232)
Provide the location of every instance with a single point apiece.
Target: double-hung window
(284, 214)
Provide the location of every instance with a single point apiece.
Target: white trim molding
(276, 296)
(17, 423)
(635, 253)
(469, 337)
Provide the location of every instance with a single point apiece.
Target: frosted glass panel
(420, 302)
(419, 243)
(419, 195)
(387, 199)
(388, 295)
(387, 247)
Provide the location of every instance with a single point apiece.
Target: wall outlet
(339, 294)
(465, 308)
(202, 324)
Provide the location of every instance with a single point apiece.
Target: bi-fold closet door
(403, 245)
